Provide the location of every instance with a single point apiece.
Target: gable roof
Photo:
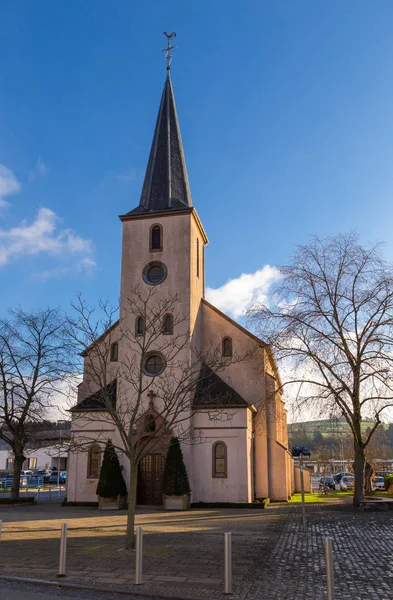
(213, 392)
(85, 352)
(98, 400)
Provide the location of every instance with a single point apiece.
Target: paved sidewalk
(183, 552)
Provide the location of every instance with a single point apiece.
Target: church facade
(239, 418)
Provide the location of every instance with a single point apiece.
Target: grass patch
(308, 498)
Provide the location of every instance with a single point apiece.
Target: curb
(100, 590)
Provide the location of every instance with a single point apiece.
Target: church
(242, 449)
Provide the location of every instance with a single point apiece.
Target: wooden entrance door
(151, 470)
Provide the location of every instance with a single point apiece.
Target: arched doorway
(150, 472)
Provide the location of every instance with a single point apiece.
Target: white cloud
(39, 170)
(43, 237)
(8, 184)
(238, 295)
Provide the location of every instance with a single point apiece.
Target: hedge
(28, 500)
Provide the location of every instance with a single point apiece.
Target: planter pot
(177, 502)
(113, 503)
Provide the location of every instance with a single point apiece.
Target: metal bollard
(303, 499)
(228, 563)
(27, 490)
(329, 567)
(63, 550)
(49, 492)
(139, 550)
(1, 527)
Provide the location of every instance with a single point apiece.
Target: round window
(154, 364)
(154, 273)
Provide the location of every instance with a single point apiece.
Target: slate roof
(98, 400)
(213, 392)
(165, 187)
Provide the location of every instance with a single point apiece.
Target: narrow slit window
(197, 257)
(156, 238)
(114, 352)
(94, 462)
(220, 466)
(167, 326)
(140, 326)
(227, 346)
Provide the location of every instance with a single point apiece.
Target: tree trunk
(130, 537)
(358, 467)
(368, 473)
(19, 459)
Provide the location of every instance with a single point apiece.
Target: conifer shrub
(388, 481)
(111, 482)
(175, 480)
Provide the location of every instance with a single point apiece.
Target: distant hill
(328, 427)
(333, 433)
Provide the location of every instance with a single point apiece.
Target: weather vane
(167, 50)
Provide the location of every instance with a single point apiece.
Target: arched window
(140, 326)
(114, 352)
(94, 462)
(197, 257)
(227, 346)
(150, 424)
(167, 325)
(156, 238)
(220, 466)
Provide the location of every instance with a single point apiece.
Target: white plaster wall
(246, 376)
(81, 488)
(235, 434)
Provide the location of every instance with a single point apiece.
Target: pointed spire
(166, 182)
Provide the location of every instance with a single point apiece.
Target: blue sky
(286, 112)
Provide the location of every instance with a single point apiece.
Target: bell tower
(163, 238)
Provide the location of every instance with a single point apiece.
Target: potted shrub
(111, 487)
(176, 487)
(389, 483)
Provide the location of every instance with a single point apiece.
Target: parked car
(347, 483)
(26, 473)
(337, 478)
(328, 482)
(379, 483)
(57, 477)
(45, 474)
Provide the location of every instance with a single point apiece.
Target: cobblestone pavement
(183, 552)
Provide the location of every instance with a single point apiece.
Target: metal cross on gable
(167, 50)
(151, 395)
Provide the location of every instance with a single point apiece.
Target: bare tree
(34, 361)
(123, 364)
(331, 317)
(324, 457)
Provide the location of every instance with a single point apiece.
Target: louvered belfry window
(156, 239)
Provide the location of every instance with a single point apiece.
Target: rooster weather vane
(167, 50)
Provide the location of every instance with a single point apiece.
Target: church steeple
(166, 183)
